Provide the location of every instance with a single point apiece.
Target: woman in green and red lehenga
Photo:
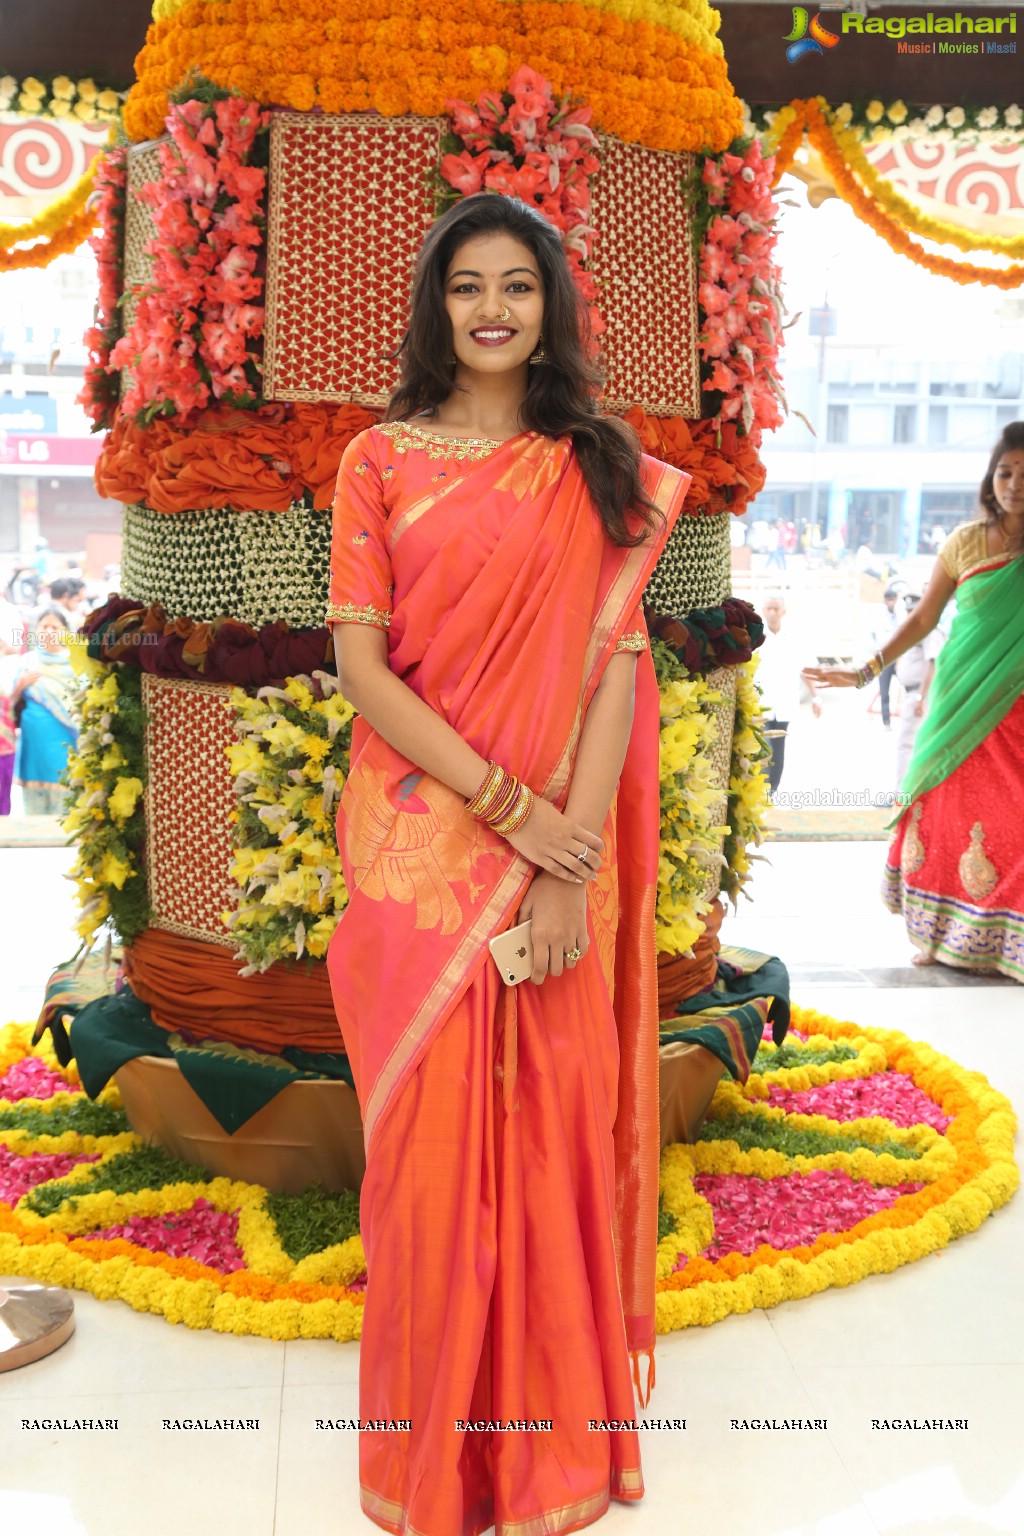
(955, 867)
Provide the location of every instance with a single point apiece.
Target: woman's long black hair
(1012, 437)
(561, 397)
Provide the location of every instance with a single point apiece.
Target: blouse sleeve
(634, 637)
(362, 585)
(964, 547)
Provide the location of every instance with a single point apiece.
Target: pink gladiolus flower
(465, 172)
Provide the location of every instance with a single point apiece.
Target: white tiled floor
(939, 1339)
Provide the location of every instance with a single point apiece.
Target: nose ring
(506, 314)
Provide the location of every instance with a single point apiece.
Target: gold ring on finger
(572, 955)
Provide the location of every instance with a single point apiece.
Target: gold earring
(539, 356)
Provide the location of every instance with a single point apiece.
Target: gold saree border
(628, 1485)
(603, 626)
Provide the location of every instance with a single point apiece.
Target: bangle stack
(502, 801)
(870, 670)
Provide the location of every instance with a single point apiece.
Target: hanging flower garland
(522, 143)
(289, 769)
(193, 338)
(80, 101)
(813, 116)
(748, 806)
(875, 122)
(53, 218)
(98, 397)
(740, 290)
(106, 776)
(68, 238)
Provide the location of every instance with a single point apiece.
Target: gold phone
(513, 954)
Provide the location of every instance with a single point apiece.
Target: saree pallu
(955, 869)
(509, 1208)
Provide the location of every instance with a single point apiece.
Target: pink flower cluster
(201, 1232)
(788, 1212)
(98, 397)
(525, 144)
(192, 338)
(20, 1174)
(31, 1078)
(892, 1095)
(739, 291)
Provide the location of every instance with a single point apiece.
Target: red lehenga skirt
(955, 868)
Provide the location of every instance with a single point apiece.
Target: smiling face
(490, 276)
(1008, 483)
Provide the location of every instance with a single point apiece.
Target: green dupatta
(979, 675)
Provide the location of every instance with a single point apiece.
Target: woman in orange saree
(509, 1207)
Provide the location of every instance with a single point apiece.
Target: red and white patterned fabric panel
(41, 159)
(349, 203)
(643, 260)
(188, 799)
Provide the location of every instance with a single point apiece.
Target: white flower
(956, 117)
(1013, 116)
(934, 116)
(916, 126)
(942, 135)
(988, 117)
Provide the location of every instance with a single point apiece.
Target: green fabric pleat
(979, 675)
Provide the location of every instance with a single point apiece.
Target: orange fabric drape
(496, 1120)
(195, 986)
(683, 976)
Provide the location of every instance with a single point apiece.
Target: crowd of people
(41, 607)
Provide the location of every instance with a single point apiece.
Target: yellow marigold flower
(84, 111)
(874, 111)
(844, 113)
(897, 113)
(109, 101)
(87, 89)
(60, 108)
(30, 86)
(63, 88)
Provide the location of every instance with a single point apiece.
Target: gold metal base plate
(34, 1321)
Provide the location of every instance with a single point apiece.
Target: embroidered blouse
(964, 548)
(362, 583)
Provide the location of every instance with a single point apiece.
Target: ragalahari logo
(808, 35)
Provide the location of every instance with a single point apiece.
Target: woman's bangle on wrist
(502, 801)
(871, 669)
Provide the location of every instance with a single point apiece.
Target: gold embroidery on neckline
(404, 435)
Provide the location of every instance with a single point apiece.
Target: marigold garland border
(313, 1298)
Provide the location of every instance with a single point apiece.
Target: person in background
(11, 640)
(955, 868)
(778, 676)
(39, 697)
(882, 632)
(914, 672)
(67, 593)
(776, 548)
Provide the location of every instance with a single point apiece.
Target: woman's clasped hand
(556, 844)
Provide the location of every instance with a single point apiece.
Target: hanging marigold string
(53, 218)
(69, 238)
(813, 117)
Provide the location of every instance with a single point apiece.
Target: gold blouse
(965, 548)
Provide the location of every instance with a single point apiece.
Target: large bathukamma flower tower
(257, 235)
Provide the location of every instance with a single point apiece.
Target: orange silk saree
(509, 1208)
